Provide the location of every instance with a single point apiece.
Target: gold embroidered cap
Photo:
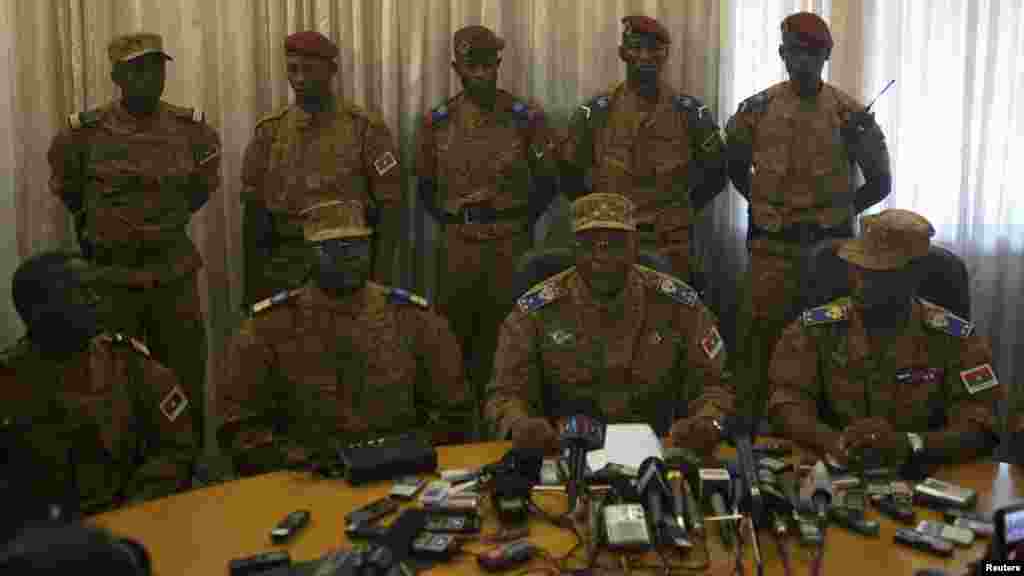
(131, 46)
(334, 219)
(603, 211)
(889, 240)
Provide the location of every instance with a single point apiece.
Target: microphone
(581, 433)
(715, 485)
(820, 490)
(654, 485)
(739, 429)
(683, 482)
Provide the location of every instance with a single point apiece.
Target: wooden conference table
(199, 532)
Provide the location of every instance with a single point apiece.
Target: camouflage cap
(603, 211)
(644, 25)
(131, 46)
(888, 240)
(473, 40)
(335, 219)
(311, 43)
(809, 28)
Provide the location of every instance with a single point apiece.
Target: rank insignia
(678, 291)
(980, 378)
(561, 337)
(273, 300)
(384, 163)
(712, 343)
(946, 321)
(173, 404)
(536, 299)
(826, 314)
(437, 115)
(519, 108)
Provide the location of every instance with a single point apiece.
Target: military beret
(311, 43)
(131, 46)
(645, 25)
(809, 28)
(889, 240)
(476, 39)
(603, 211)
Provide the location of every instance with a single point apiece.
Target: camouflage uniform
(343, 152)
(111, 420)
(935, 375)
(801, 191)
(134, 177)
(654, 355)
(311, 369)
(655, 158)
(476, 171)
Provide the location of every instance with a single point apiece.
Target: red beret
(645, 25)
(810, 28)
(311, 43)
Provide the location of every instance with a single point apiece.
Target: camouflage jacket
(311, 370)
(936, 375)
(653, 356)
(111, 421)
(134, 178)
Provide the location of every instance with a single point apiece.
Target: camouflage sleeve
(65, 159)
(708, 170)
(380, 163)
(514, 390)
(207, 152)
(575, 155)
(739, 141)
(426, 157)
(255, 163)
(443, 396)
(793, 395)
(706, 352)
(167, 467)
(542, 142)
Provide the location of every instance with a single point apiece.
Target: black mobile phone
(1008, 539)
(287, 527)
(452, 523)
(371, 511)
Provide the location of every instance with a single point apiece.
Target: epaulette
(543, 293)
(192, 114)
(400, 296)
(599, 102)
(756, 103)
(837, 310)
(274, 116)
(85, 119)
(938, 318)
(670, 286)
(437, 115)
(274, 300)
(684, 103)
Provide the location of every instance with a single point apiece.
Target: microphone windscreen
(822, 482)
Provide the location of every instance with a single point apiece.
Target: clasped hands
(699, 433)
(870, 434)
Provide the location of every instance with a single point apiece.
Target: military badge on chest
(173, 404)
(711, 343)
(561, 338)
(919, 376)
(979, 378)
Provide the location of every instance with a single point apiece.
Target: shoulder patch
(942, 320)
(979, 378)
(173, 403)
(835, 311)
(756, 103)
(543, 293)
(400, 296)
(84, 119)
(274, 300)
(670, 286)
(437, 115)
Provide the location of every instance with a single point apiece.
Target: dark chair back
(943, 280)
(536, 266)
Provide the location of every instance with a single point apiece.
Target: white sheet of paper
(626, 445)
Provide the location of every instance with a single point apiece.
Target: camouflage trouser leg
(771, 286)
(169, 319)
(475, 279)
(286, 267)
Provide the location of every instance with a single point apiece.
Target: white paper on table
(625, 445)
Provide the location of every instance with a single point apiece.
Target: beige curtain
(228, 61)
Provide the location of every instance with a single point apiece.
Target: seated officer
(55, 549)
(636, 342)
(882, 370)
(100, 415)
(339, 359)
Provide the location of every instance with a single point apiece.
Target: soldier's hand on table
(873, 434)
(534, 433)
(698, 433)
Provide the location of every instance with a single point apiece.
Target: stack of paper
(626, 445)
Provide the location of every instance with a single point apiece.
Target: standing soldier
(340, 358)
(644, 141)
(99, 413)
(318, 147)
(485, 172)
(791, 150)
(132, 173)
